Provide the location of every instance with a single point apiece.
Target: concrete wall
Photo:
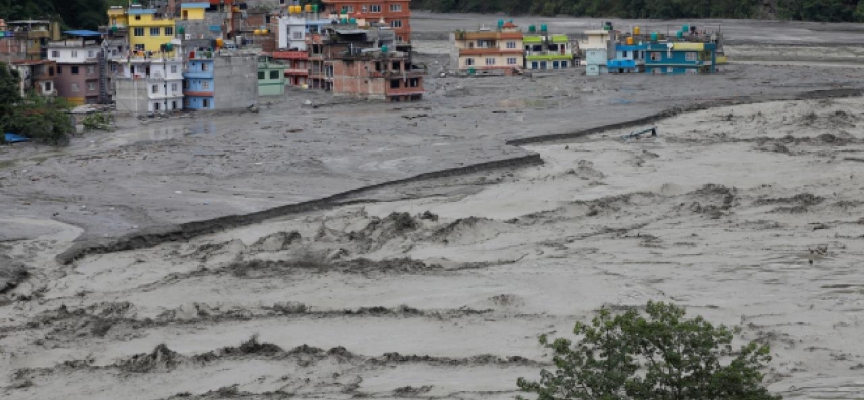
(236, 83)
(131, 96)
(351, 78)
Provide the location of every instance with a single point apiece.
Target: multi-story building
(680, 58)
(81, 70)
(221, 80)
(629, 58)
(28, 39)
(37, 76)
(292, 33)
(149, 85)
(271, 77)
(149, 31)
(547, 51)
(394, 13)
(488, 50)
(351, 63)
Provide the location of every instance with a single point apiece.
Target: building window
(74, 86)
(169, 31)
(656, 56)
(154, 31)
(91, 70)
(394, 84)
(50, 71)
(364, 9)
(138, 18)
(91, 54)
(669, 70)
(274, 74)
(47, 86)
(564, 64)
(206, 103)
(624, 54)
(469, 61)
(347, 9)
(375, 8)
(155, 89)
(260, 75)
(74, 53)
(396, 23)
(511, 45)
(173, 87)
(59, 70)
(490, 61)
(138, 31)
(690, 56)
(139, 47)
(511, 61)
(414, 82)
(205, 85)
(395, 8)
(55, 53)
(556, 65)
(203, 66)
(74, 70)
(91, 85)
(297, 35)
(173, 69)
(156, 106)
(400, 39)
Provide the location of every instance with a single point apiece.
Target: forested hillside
(808, 10)
(77, 14)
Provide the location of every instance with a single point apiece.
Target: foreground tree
(44, 119)
(656, 355)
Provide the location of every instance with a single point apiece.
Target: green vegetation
(34, 116)
(73, 14)
(661, 355)
(810, 10)
(97, 121)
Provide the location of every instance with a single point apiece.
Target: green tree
(859, 12)
(9, 92)
(44, 119)
(658, 354)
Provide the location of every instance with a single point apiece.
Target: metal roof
(134, 11)
(83, 33)
(195, 5)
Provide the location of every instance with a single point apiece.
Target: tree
(41, 118)
(9, 93)
(656, 355)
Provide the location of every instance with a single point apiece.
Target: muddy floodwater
(745, 208)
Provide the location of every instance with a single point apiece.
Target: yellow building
(117, 17)
(193, 11)
(147, 31)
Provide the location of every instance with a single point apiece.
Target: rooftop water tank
(315, 8)
(308, 8)
(543, 28)
(384, 49)
(636, 30)
(654, 36)
(532, 29)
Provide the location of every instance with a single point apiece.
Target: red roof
(509, 25)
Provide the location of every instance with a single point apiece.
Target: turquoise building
(681, 58)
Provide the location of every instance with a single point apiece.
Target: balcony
(296, 71)
(32, 35)
(493, 51)
(198, 75)
(399, 74)
(408, 91)
(198, 93)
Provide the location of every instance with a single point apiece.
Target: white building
(292, 33)
(149, 85)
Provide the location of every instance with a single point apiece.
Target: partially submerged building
(82, 75)
(500, 50)
(220, 80)
(395, 14)
(271, 77)
(547, 51)
(146, 84)
(365, 64)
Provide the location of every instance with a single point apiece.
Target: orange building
(396, 13)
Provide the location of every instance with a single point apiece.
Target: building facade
(37, 76)
(394, 13)
(680, 58)
(80, 70)
(149, 31)
(146, 85)
(27, 39)
(271, 77)
(488, 50)
(221, 81)
(200, 81)
(545, 51)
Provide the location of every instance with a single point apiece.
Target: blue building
(629, 58)
(200, 83)
(681, 58)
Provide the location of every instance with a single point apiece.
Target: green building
(271, 77)
(544, 51)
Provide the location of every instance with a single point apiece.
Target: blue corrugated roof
(195, 5)
(142, 11)
(82, 33)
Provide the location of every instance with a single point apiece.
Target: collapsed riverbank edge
(171, 233)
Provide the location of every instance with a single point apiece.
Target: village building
(547, 51)
(499, 50)
(271, 77)
(149, 31)
(36, 75)
(149, 85)
(82, 75)
(220, 80)
(27, 39)
(395, 14)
